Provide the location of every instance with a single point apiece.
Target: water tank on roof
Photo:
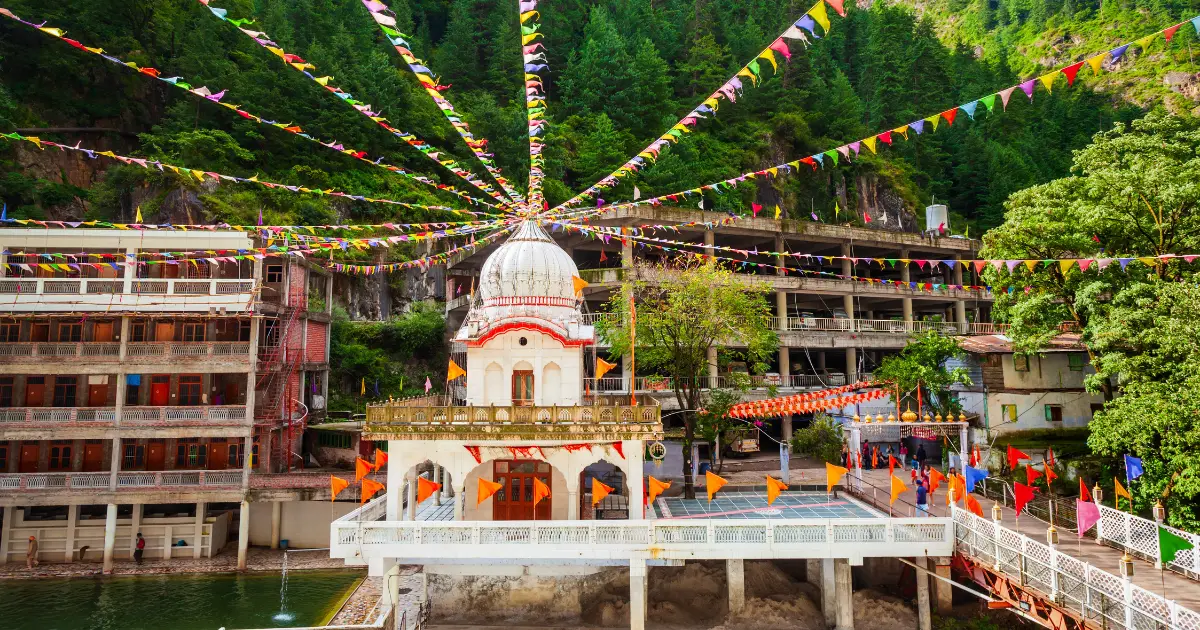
(937, 215)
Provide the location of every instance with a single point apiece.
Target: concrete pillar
(276, 522)
(943, 590)
(781, 309)
(460, 495)
(197, 547)
(110, 538)
(437, 478)
(924, 619)
(820, 359)
(243, 534)
(447, 484)
(844, 594)
(639, 593)
(828, 593)
(390, 586)
(710, 238)
(635, 454)
(114, 464)
(136, 522)
(712, 367)
(412, 496)
(851, 365)
(394, 496)
(72, 520)
(847, 266)
(735, 579)
(906, 276)
(780, 260)
(573, 504)
(848, 306)
(10, 512)
(785, 365)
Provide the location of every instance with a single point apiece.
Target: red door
(218, 456)
(35, 391)
(514, 502)
(93, 457)
(155, 452)
(160, 391)
(29, 458)
(97, 395)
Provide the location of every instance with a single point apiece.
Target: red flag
(1031, 474)
(892, 465)
(755, 208)
(426, 488)
(1014, 457)
(1084, 495)
(1050, 457)
(1023, 494)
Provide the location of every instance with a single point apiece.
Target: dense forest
(622, 71)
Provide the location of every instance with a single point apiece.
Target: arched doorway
(515, 499)
(615, 506)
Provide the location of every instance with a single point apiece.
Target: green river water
(174, 602)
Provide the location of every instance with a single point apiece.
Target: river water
(178, 602)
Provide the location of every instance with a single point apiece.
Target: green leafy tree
(821, 439)
(924, 362)
(683, 312)
(714, 420)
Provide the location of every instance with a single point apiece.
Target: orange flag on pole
(380, 459)
(454, 371)
(973, 506)
(369, 488)
(656, 487)
(362, 468)
(1120, 491)
(336, 485)
(487, 489)
(774, 487)
(579, 284)
(714, 483)
(599, 490)
(898, 488)
(833, 474)
(935, 478)
(426, 488)
(540, 491)
(603, 367)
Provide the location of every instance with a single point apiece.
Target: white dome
(529, 277)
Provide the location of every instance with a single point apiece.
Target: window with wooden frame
(70, 333)
(60, 455)
(274, 274)
(1021, 362)
(193, 331)
(190, 453)
(6, 393)
(133, 456)
(1054, 413)
(522, 387)
(137, 330)
(65, 388)
(1076, 361)
(10, 332)
(189, 389)
(237, 451)
(3, 456)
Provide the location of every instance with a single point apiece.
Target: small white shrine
(526, 419)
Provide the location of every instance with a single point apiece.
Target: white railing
(93, 480)
(1100, 597)
(52, 415)
(76, 286)
(171, 416)
(766, 538)
(649, 384)
(92, 350)
(1140, 537)
(893, 326)
(188, 349)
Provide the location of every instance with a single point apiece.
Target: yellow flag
(898, 488)
(774, 487)
(138, 218)
(833, 474)
(454, 371)
(1120, 491)
(713, 484)
(819, 14)
(602, 367)
(1095, 63)
(870, 142)
(1048, 80)
(778, 212)
(769, 56)
(363, 390)
(579, 284)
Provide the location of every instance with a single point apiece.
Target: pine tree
(704, 69)
(649, 96)
(600, 71)
(457, 55)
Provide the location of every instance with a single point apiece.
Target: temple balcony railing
(125, 480)
(204, 416)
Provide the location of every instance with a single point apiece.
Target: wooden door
(102, 331)
(93, 457)
(164, 331)
(98, 395)
(218, 456)
(514, 502)
(232, 393)
(522, 387)
(155, 453)
(29, 458)
(160, 391)
(35, 391)
(39, 332)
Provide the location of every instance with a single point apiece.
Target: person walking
(31, 553)
(922, 498)
(139, 548)
(921, 456)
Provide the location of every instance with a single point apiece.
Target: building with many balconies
(154, 396)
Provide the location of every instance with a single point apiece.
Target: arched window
(522, 384)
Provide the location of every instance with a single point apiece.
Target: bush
(822, 439)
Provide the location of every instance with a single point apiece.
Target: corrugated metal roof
(1001, 344)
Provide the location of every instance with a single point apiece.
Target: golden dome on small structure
(937, 418)
(878, 417)
(908, 416)
(927, 418)
(962, 417)
(891, 417)
(857, 419)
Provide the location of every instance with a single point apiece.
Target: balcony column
(713, 368)
(844, 596)
(635, 455)
(906, 276)
(197, 544)
(924, 621)
(72, 521)
(851, 365)
(639, 593)
(412, 495)
(437, 478)
(130, 273)
(9, 512)
(110, 538)
(243, 534)
(960, 305)
(573, 497)
(735, 581)
(460, 497)
(114, 464)
(276, 522)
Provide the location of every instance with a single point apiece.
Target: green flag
(1170, 544)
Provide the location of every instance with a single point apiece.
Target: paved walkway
(1171, 585)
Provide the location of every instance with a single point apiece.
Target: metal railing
(1100, 597)
(894, 326)
(188, 349)
(111, 351)
(131, 479)
(129, 416)
(42, 349)
(414, 413)
(80, 286)
(650, 384)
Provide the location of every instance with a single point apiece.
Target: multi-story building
(150, 397)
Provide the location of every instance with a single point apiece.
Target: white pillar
(851, 365)
(276, 522)
(412, 496)
(572, 503)
(114, 464)
(243, 534)
(828, 593)
(712, 367)
(197, 545)
(110, 538)
(960, 305)
(635, 454)
(394, 495)
(906, 276)
(844, 586)
(735, 579)
(437, 478)
(72, 521)
(460, 497)
(925, 622)
(390, 587)
(10, 512)
(639, 593)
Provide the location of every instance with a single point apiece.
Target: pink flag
(781, 47)
(428, 385)
(1086, 515)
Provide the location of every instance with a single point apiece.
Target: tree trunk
(689, 436)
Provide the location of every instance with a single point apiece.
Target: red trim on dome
(503, 328)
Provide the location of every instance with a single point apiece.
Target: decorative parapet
(608, 418)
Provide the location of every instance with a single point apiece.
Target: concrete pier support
(735, 579)
(72, 521)
(110, 538)
(828, 593)
(943, 590)
(639, 593)
(460, 495)
(243, 534)
(198, 535)
(851, 365)
(924, 619)
(276, 522)
(844, 594)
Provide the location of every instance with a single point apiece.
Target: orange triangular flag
(656, 487)
(487, 489)
(540, 491)
(714, 483)
(369, 488)
(833, 474)
(973, 506)
(603, 367)
(426, 488)
(380, 459)
(935, 478)
(774, 487)
(898, 488)
(454, 371)
(336, 485)
(580, 284)
(362, 468)
(599, 490)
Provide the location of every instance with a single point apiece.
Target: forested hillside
(621, 71)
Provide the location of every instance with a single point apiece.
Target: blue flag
(1133, 468)
(973, 476)
(377, 387)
